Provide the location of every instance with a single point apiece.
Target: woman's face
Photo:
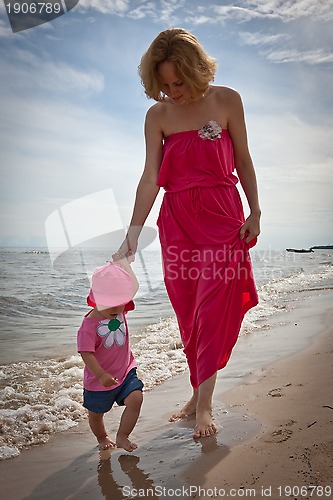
(171, 84)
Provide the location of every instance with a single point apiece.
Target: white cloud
(119, 7)
(284, 55)
(52, 151)
(167, 11)
(162, 10)
(294, 163)
(291, 10)
(285, 139)
(238, 13)
(31, 72)
(262, 39)
(312, 57)
(5, 31)
(247, 10)
(199, 20)
(145, 10)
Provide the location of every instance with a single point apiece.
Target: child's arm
(95, 368)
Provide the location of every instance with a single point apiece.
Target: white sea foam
(38, 399)
(159, 353)
(8, 452)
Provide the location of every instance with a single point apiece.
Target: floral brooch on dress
(211, 131)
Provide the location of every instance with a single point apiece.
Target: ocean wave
(38, 399)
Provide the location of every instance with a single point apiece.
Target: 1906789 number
(34, 8)
(313, 491)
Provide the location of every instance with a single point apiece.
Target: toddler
(110, 368)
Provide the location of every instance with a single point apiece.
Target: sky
(73, 109)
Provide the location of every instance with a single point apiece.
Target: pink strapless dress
(207, 267)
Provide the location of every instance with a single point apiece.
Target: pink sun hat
(113, 284)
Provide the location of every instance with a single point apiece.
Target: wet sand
(273, 407)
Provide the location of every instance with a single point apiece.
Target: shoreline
(269, 406)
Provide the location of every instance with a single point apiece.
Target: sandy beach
(273, 407)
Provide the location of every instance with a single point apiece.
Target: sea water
(42, 307)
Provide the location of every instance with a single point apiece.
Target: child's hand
(107, 380)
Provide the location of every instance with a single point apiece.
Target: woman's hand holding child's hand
(108, 380)
(129, 246)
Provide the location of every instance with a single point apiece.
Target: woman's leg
(188, 410)
(200, 405)
(204, 418)
(128, 420)
(96, 422)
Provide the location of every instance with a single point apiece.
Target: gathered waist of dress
(195, 193)
(227, 181)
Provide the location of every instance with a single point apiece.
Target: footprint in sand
(279, 436)
(275, 393)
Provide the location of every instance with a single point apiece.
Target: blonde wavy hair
(193, 65)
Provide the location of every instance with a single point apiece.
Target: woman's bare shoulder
(156, 112)
(154, 120)
(230, 101)
(159, 116)
(226, 94)
(153, 114)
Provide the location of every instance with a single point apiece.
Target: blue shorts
(102, 401)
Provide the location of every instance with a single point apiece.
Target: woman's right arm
(147, 189)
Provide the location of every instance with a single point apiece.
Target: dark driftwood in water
(299, 250)
(311, 249)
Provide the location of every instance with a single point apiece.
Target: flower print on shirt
(112, 332)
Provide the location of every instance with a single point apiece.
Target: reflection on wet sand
(110, 489)
(163, 463)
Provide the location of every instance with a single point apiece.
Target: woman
(195, 138)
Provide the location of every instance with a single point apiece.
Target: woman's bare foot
(105, 443)
(204, 424)
(124, 442)
(188, 410)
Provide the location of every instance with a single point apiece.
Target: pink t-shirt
(108, 340)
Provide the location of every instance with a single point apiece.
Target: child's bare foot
(204, 424)
(105, 443)
(124, 442)
(187, 411)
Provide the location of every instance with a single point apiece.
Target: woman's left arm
(244, 165)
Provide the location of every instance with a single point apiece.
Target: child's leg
(96, 422)
(128, 420)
